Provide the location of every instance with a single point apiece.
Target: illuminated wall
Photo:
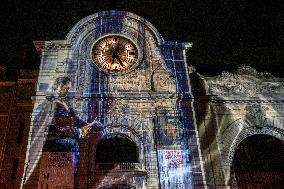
(233, 107)
(149, 105)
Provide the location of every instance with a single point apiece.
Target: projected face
(63, 90)
(115, 54)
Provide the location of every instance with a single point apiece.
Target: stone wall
(231, 107)
(153, 99)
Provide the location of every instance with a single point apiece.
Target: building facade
(16, 108)
(240, 122)
(136, 84)
(155, 122)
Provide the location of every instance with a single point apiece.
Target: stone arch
(139, 129)
(257, 162)
(133, 128)
(234, 134)
(88, 22)
(111, 174)
(271, 131)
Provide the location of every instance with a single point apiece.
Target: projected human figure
(66, 128)
(57, 131)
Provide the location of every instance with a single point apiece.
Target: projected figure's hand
(97, 125)
(94, 126)
(86, 130)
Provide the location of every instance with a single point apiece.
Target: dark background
(225, 33)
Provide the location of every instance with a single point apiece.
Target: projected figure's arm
(65, 123)
(94, 126)
(68, 124)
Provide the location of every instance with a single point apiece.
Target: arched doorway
(117, 164)
(258, 163)
(116, 149)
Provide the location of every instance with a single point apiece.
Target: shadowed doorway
(116, 149)
(258, 163)
(116, 159)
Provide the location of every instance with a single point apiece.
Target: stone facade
(184, 126)
(230, 108)
(150, 105)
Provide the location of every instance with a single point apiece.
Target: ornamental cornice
(25, 81)
(7, 83)
(130, 20)
(256, 101)
(57, 45)
(39, 45)
(245, 82)
(27, 74)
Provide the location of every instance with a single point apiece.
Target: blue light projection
(175, 171)
(150, 105)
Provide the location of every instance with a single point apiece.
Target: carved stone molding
(80, 30)
(129, 19)
(251, 101)
(57, 46)
(135, 80)
(256, 115)
(246, 82)
(39, 45)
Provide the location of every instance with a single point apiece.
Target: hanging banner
(56, 170)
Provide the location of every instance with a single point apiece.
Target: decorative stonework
(129, 19)
(133, 104)
(245, 82)
(39, 45)
(80, 30)
(136, 80)
(56, 46)
(235, 106)
(256, 115)
(161, 80)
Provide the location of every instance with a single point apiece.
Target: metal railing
(118, 166)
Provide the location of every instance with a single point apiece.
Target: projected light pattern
(175, 172)
(149, 106)
(239, 106)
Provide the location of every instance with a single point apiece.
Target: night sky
(224, 33)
